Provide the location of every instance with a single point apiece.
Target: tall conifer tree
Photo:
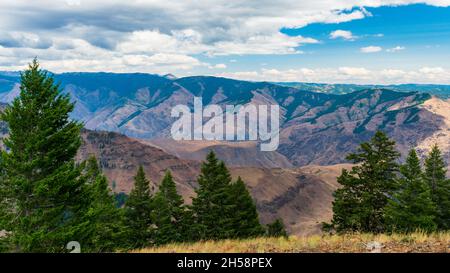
(245, 220)
(169, 212)
(43, 182)
(411, 207)
(212, 203)
(138, 213)
(359, 205)
(434, 175)
(103, 215)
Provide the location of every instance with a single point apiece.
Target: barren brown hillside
(301, 197)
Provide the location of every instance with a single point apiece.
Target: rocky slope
(316, 128)
(120, 156)
(441, 137)
(300, 197)
(238, 154)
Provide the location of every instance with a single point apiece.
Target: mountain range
(439, 90)
(315, 127)
(127, 120)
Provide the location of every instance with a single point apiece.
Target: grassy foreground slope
(417, 242)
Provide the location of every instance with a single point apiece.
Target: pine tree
(245, 221)
(191, 230)
(411, 207)
(120, 198)
(43, 181)
(440, 186)
(359, 204)
(168, 212)
(212, 206)
(5, 203)
(5, 213)
(103, 214)
(138, 211)
(276, 229)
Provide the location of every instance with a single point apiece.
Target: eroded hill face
(302, 198)
(441, 137)
(315, 128)
(120, 156)
(235, 154)
(326, 137)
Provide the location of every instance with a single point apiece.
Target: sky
(326, 41)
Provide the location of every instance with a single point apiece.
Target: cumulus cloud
(217, 66)
(276, 44)
(79, 55)
(343, 34)
(103, 34)
(370, 49)
(395, 49)
(23, 39)
(220, 66)
(358, 75)
(353, 71)
(185, 41)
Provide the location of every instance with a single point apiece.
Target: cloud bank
(162, 36)
(358, 75)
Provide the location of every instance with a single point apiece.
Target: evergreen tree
(168, 212)
(276, 229)
(5, 213)
(244, 215)
(191, 230)
(103, 214)
(120, 198)
(5, 203)
(440, 186)
(138, 211)
(212, 206)
(359, 205)
(411, 207)
(43, 181)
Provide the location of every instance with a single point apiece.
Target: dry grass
(417, 242)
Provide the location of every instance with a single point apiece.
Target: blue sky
(384, 41)
(408, 38)
(424, 30)
(420, 33)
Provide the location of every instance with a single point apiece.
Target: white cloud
(217, 66)
(344, 34)
(24, 39)
(370, 49)
(354, 71)
(151, 41)
(359, 75)
(276, 44)
(395, 49)
(73, 2)
(103, 34)
(79, 55)
(392, 74)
